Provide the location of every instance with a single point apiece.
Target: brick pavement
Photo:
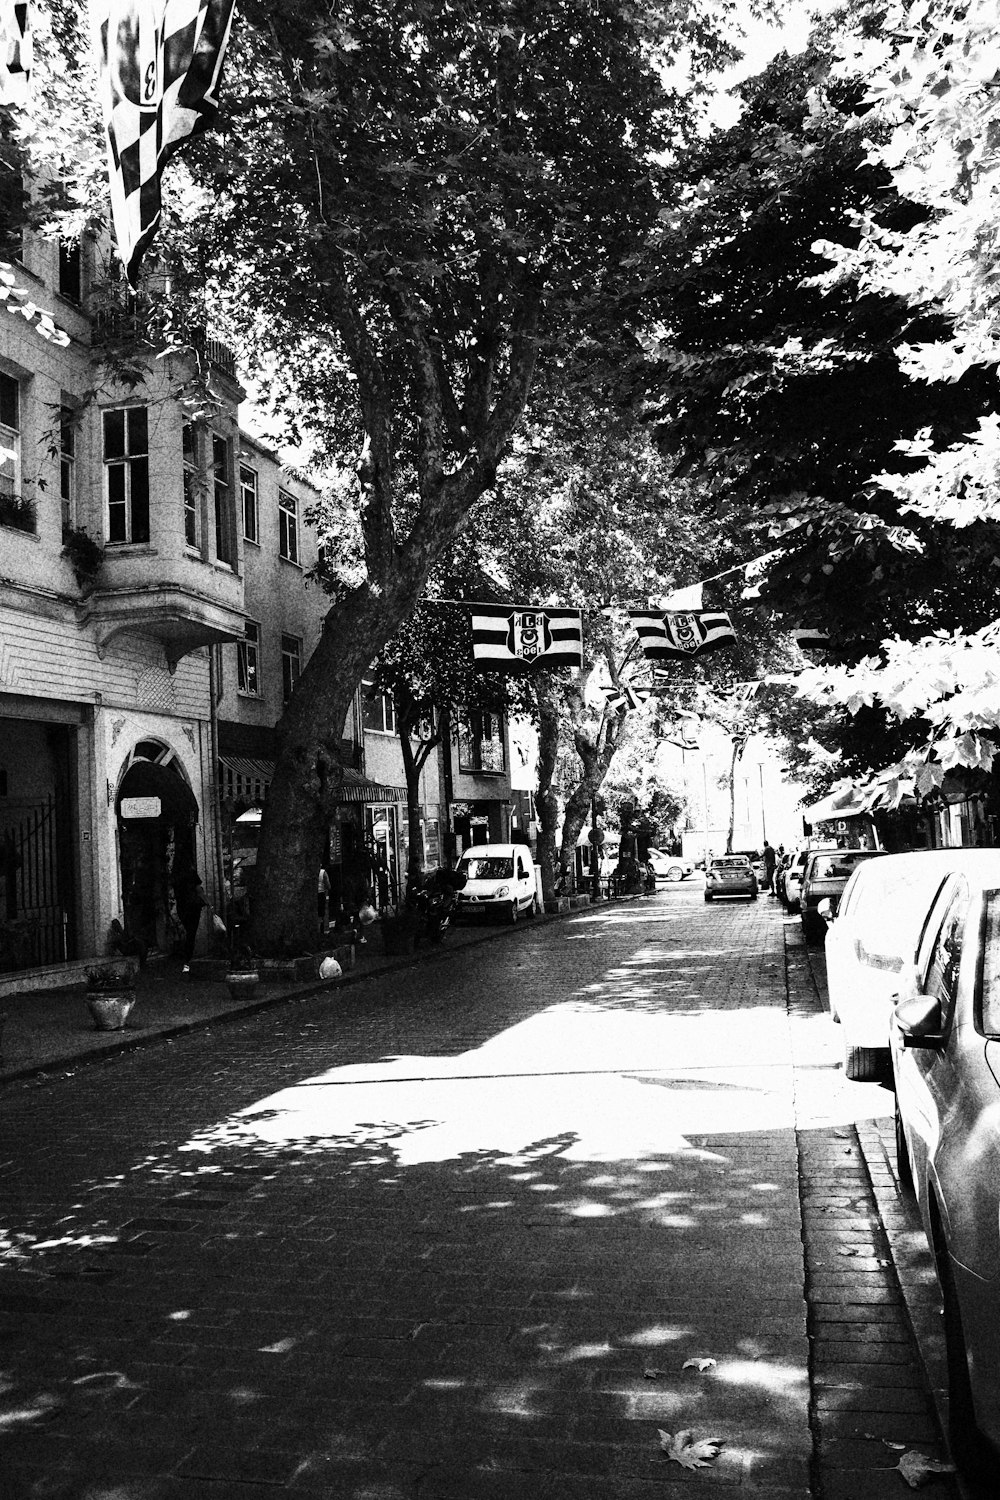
(446, 1236)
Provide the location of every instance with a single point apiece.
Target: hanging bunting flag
(663, 635)
(625, 698)
(511, 639)
(15, 51)
(684, 600)
(811, 640)
(158, 68)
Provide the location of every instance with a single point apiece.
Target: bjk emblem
(529, 635)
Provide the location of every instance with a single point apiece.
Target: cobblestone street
(455, 1233)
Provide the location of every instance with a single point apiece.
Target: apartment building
(156, 611)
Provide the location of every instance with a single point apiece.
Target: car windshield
(496, 868)
(836, 866)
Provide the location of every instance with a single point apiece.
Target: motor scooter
(435, 900)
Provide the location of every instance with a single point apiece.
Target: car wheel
(793, 907)
(753, 895)
(708, 895)
(675, 873)
(904, 1171)
(863, 1064)
(812, 931)
(532, 910)
(969, 1448)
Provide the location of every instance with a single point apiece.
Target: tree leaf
(689, 1452)
(699, 1364)
(917, 1469)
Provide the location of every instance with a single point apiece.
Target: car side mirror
(827, 909)
(919, 1020)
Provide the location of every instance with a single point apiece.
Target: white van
(499, 878)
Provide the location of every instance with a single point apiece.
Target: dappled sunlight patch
(767, 1375)
(656, 1335)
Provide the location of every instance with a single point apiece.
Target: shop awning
(247, 780)
(842, 802)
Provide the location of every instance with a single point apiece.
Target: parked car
(945, 1043)
(730, 875)
(500, 879)
(756, 861)
(668, 866)
(780, 871)
(874, 934)
(823, 879)
(793, 878)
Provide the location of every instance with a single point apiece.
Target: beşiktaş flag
(159, 64)
(666, 634)
(15, 52)
(626, 697)
(511, 639)
(811, 640)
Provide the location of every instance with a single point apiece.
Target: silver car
(945, 1043)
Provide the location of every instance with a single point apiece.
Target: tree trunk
(308, 771)
(547, 801)
(413, 763)
(737, 752)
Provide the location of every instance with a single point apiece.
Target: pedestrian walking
(770, 860)
(189, 896)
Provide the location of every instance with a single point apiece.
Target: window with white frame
(67, 465)
(288, 526)
(222, 493)
(291, 664)
(378, 711)
(480, 743)
(10, 438)
(251, 504)
(248, 660)
(192, 486)
(126, 473)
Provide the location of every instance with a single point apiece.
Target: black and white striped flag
(623, 699)
(15, 51)
(508, 638)
(667, 634)
(158, 72)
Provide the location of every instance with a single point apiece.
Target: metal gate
(36, 877)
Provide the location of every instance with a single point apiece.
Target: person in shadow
(189, 897)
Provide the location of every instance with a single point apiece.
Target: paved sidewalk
(50, 1031)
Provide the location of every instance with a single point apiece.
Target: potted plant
(243, 975)
(110, 994)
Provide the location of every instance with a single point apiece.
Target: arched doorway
(157, 817)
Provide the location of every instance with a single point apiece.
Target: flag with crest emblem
(667, 634)
(159, 66)
(511, 639)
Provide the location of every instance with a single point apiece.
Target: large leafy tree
(427, 214)
(782, 383)
(416, 217)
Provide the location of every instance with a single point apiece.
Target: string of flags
(624, 698)
(523, 638)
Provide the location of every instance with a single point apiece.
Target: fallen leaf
(687, 1451)
(917, 1469)
(652, 1374)
(896, 1447)
(699, 1364)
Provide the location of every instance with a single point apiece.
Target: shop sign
(140, 807)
